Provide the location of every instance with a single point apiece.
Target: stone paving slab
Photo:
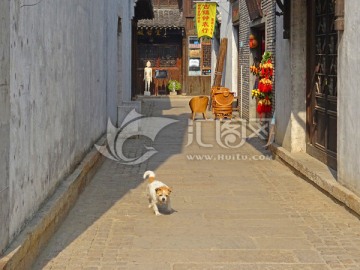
(230, 214)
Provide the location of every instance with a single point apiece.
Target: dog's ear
(169, 189)
(157, 189)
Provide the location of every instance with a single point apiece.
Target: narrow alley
(235, 208)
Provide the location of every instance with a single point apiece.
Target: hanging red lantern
(253, 43)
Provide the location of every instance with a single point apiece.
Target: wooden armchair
(199, 104)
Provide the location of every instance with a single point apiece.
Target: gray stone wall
(57, 91)
(348, 127)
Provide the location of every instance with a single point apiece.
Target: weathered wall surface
(230, 71)
(291, 82)
(59, 89)
(283, 97)
(4, 120)
(348, 128)
(124, 62)
(298, 79)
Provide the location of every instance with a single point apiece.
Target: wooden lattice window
(206, 55)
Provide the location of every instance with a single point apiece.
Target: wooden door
(322, 82)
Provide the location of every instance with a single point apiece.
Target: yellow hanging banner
(205, 19)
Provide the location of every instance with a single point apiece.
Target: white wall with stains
(4, 120)
(58, 86)
(348, 123)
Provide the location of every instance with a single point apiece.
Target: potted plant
(173, 86)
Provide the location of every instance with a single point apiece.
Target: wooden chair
(199, 104)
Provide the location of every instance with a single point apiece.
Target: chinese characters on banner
(205, 19)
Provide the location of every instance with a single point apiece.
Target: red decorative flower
(265, 72)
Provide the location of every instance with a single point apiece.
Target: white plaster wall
(348, 128)
(215, 47)
(290, 70)
(124, 58)
(111, 14)
(283, 96)
(59, 89)
(298, 78)
(229, 79)
(127, 13)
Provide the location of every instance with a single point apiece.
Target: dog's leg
(150, 202)
(155, 208)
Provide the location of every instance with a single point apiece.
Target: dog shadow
(164, 211)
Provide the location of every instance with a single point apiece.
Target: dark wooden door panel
(322, 82)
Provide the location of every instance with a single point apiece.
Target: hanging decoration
(205, 19)
(253, 43)
(263, 93)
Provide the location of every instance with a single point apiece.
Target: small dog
(158, 193)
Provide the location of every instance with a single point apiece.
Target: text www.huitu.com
(227, 157)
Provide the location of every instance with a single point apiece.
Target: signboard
(199, 57)
(205, 19)
(194, 56)
(160, 74)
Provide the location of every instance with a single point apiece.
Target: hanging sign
(205, 19)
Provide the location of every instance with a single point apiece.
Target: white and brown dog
(158, 193)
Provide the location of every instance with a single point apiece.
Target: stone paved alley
(247, 213)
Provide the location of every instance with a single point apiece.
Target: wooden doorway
(163, 48)
(321, 100)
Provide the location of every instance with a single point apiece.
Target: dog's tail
(149, 174)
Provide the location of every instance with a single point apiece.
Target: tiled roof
(164, 18)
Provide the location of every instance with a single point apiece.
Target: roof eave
(144, 10)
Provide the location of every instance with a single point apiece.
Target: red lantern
(252, 42)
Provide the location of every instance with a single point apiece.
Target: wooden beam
(220, 62)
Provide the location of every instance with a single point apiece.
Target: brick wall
(244, 60)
